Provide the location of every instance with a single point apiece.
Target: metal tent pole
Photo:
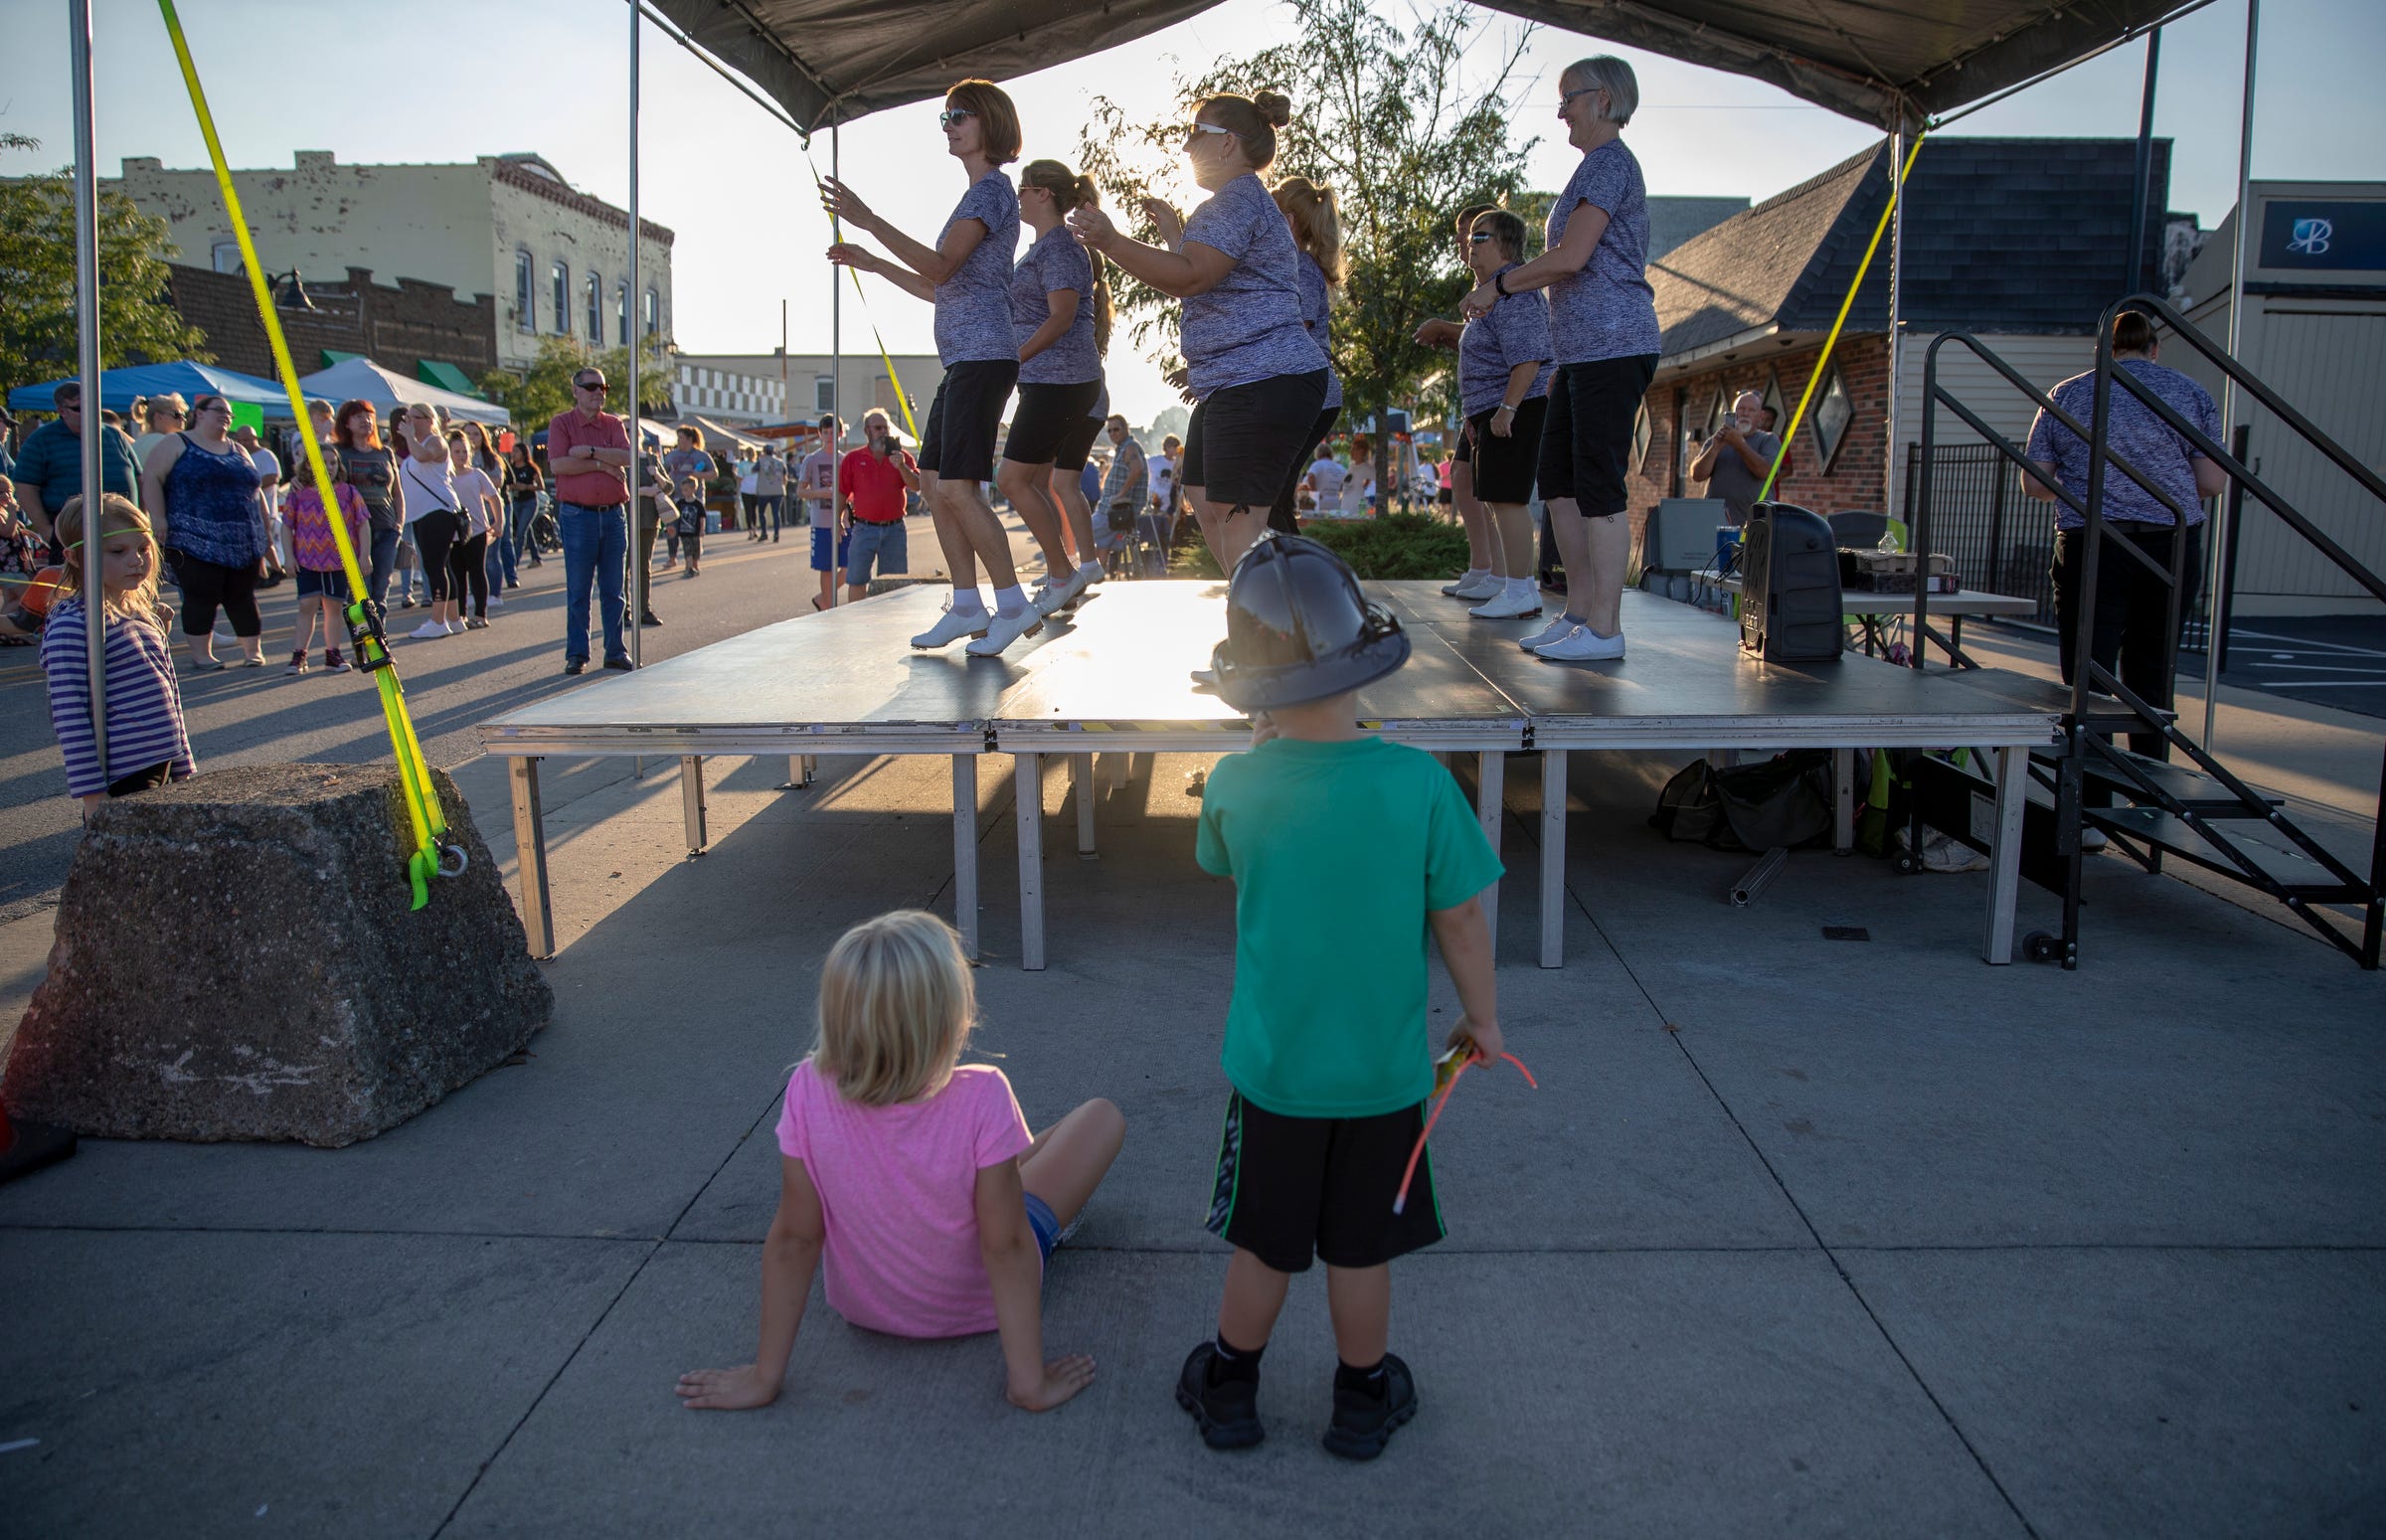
(1897, 259)
(836, 297)
(2217, 571)
(2135, 270)
(86, 363)
(633, 560)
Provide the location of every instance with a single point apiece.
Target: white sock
(966, 602)
(1010, 601)
(1522, 588)
(1475, 574)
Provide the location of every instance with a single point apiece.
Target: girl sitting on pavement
(910, 1178)
(147, 744)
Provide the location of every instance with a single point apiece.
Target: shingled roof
(2001, 234)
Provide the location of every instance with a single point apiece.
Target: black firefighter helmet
(1298, 627)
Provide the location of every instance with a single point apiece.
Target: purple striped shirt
(144, 705)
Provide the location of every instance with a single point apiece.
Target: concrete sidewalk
(1799, 1235)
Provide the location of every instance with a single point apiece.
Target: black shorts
(1463, 454)
(967, 417)
(1504, 467)
(1285, 514)
(1288, 1188)
(1047, 418)
(1076, 441)
(1242, 439)
(1586, 439)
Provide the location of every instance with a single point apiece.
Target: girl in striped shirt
(147, 745)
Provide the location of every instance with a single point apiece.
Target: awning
(332, 356)
(829, 59)
(448, 377)
(120, 387)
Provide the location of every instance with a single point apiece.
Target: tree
(535, 399)
(1390, 121)
(37, 285)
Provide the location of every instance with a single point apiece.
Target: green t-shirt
(1339, 852)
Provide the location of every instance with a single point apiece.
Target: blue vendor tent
(120, 387)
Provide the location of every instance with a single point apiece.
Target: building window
(824, 394)
(560, 279)
(1832, 412)
(526, 294)
(1717, 410)
(1642, 430)
(621, 314)
(596, 302)
(653, 317)
(227, 255)
(1775, 403)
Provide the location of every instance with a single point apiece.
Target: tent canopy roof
(830, 60)
(119, 387)
(361, 379)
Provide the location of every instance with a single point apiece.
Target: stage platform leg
(1028, 804)
(1552, 858)
(1081, 779)
(2004, 852)
(1491, 792)
(691, 801)
(1843, 797)
(964, 851)
(800, 768)
(530, 848)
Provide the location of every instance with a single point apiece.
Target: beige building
(556, 260)
(746, 387)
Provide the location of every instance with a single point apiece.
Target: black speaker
(1789, 604)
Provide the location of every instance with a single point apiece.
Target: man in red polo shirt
(587, 451)
(873, 485)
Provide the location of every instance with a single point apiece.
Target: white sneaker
(1074, 588)
(427, 629)
(497, 601)
(1476, 588)
(1583, 645)
(1547, 634)
(1505, 605)
(1005, 629)
(457, 627)
(951, 628)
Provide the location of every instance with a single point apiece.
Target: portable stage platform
(1116, 677)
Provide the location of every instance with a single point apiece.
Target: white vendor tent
(361, 379)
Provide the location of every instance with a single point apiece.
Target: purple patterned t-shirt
(1516, 330)
(1054, 262)
(1316, 310)
(2136, 434)
(1607, 310)
(1250, 327)
(973, 306)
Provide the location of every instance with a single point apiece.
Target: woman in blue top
(1061, 314)
(1317, 224)
(966, 276)
(1603, 320)
(214, 530)
(1257, 376)
(1503, 391)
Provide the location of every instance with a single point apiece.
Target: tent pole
(1897, 258)
(836, 299)
(2134, 269)
(2216, 569)
(87, 361)
(633, 560)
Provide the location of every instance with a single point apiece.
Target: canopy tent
(361, 379)
(827, 61)
(720, 437)
(120, 387)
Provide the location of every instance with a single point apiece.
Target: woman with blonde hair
(1060, 315)
(966, 276)
(1315, 220)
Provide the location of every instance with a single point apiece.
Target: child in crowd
(322, 584)
(1344, 850)
(688, 521)
(910, 1177)
(147, 745)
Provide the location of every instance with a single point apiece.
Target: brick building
(417, 328)
(2019, 242)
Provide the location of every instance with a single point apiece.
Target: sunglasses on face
(598, 385)
(953, 116)
(1477, 238)
(1194, 131)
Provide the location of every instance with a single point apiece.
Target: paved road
(243, 716)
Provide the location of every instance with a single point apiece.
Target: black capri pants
(434, 539)
(1242, 439)
(1047, 418)
(210, 586)
(1504, 467)
(1586, 442)
(965, 417)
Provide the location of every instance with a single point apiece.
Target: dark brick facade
(396, 327)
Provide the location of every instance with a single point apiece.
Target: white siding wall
(2043, 361)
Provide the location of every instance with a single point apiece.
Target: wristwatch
(1500, 282)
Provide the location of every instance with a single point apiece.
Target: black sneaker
(1363, 1424)
(650, 619)
(623, 665)
(1228, 1412)
(574, 665)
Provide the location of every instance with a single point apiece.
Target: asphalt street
(249, 715)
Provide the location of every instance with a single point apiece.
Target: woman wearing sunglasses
(966, 276)
(1603, 321)
(1256, 375)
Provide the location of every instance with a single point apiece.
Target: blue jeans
(501, 554)
(524, 510)
(776, 506)
(384, 561)
(595, 543)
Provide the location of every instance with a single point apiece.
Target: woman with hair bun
(1060, 316)
(1317, 224)
(966, 276)
(1256, 375)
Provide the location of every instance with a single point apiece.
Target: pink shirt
(589, 488)
(898, 1192)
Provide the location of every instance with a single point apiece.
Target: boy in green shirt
(1344, 850)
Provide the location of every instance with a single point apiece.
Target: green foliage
(537, 396)
(1390, 121)
(1394, 546)
(37, 285)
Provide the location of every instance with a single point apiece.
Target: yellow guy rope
(424, 813)
(902, 398)
(1822, 361)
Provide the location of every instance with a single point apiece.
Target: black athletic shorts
(1077, 440)
(1047, 416)
(1504, 467)
(967, 417)
(1463, 454)
(1285, 514)
(1242, 439)
(1293, 1187)
(1586, 439)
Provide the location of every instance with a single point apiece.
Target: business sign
(2331, 237)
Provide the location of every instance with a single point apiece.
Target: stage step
(2199, 792)
(2276, 857)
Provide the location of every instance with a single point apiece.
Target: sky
(550, 75)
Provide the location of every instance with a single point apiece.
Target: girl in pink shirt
(910, 1180)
